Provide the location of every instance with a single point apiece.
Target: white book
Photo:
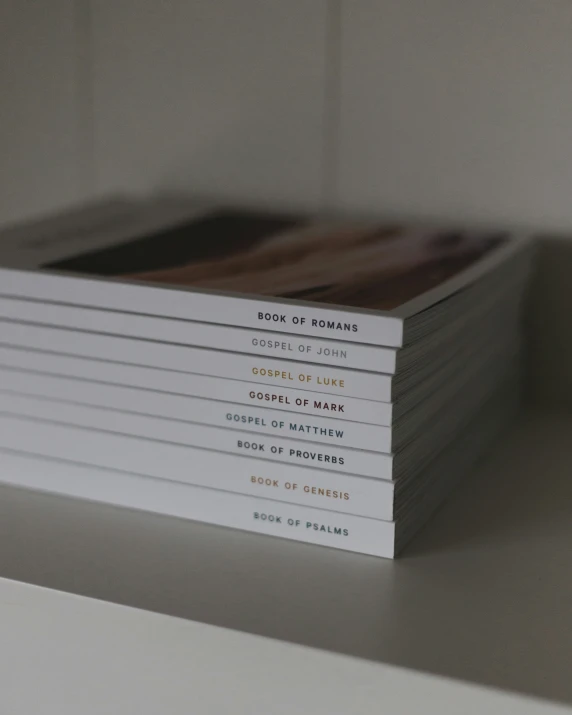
(416, 435)
(259, 421)
(204, 335)
(166, 429)
(302, 523)
(349, 494)
(364, 282)
(436, 423)
(237, 511)
(215, 363)
(481, 315)
(482, 323)
(416, 384)
(184, 383)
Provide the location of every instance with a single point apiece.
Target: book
(184, 383)
(478, 304)
(467, 354)
(175, 499)
(265, 371)
(204, 335)
(290, 450)
(259, 421)
(264, 516)
(429, 396)
(365, 282)
(227, 427)
(332, 491)
(214, 457)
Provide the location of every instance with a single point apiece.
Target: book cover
(381, 267)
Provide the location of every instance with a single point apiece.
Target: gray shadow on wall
(550, 324)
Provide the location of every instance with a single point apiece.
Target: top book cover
(372, 269)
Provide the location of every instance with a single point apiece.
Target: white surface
(457, 109)
(39, 120)
(218, 97)
(65, 655)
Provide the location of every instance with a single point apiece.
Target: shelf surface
(483, 594)
(86, 656)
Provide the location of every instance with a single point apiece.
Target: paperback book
(351, 481)
(374, 537)
(214, 363)
(257, 422)
(480, 307)
(237, 511)
(317, 488)
(304, 402)
(339, 445)
(204, 335)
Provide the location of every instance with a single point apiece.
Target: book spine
(253, 420)
(320, 321)
(205, 335)
(247, 513)
(290, 451)
(188, 384)
(261, 370)
(361, 496)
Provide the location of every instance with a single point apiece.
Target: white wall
(42, 155)
(220, 97)
(458, 108)
(426, 107)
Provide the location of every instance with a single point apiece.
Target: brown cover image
(363, 266)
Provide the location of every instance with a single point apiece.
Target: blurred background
(417, 108)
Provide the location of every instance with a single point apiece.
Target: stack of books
(320, 380)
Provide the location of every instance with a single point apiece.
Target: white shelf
(482, 595)
(65, 655)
